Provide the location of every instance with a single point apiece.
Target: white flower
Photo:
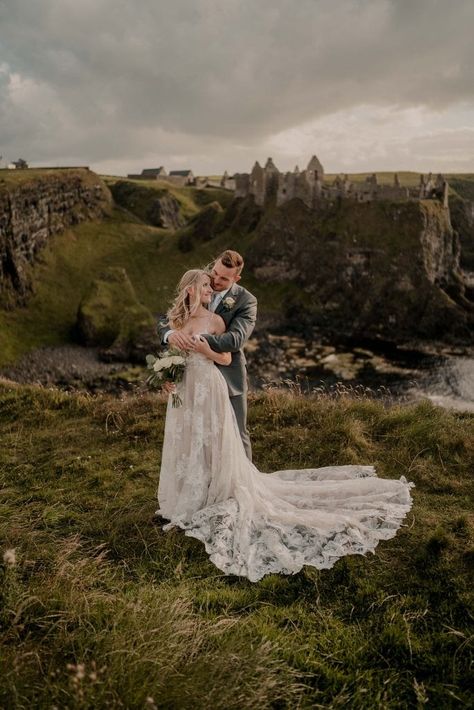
(161, 364)
(9, 557)
(177, 360)
(165, 362)
(228, 302)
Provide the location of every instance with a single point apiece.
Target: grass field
(12, 178)
(100, 608)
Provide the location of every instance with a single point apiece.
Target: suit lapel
(233, 292)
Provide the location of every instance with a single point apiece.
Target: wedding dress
(254, 523)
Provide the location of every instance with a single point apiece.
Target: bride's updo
(188, 298)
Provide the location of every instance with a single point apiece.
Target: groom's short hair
(232, 260)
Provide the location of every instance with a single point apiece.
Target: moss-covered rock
(111, 317)
(202, 227)
(157, 207)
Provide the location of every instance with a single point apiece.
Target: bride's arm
(202, 346)
(217, 327)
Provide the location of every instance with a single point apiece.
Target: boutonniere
(228, 303)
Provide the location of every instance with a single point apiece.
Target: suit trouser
(239, 405)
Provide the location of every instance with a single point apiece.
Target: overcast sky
(216, 84)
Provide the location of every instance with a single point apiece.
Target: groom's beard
(216, 288)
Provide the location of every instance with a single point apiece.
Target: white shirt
(219, 296)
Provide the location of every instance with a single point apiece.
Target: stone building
(150, 174)
(181, 177)
(227, 182)
(269, 186)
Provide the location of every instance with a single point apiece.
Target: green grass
(103, 609)
(73, 259)
(13, 178)
(191, 199)
(407, 178)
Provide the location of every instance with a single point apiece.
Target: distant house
(183, 177)
(154, 172)
(176, 177)
(149, 174)
(19, 164)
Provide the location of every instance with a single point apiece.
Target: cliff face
(32, 210)
(462, 218)
(156, 207)
(378, 270)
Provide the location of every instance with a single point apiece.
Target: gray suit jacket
(239, 318)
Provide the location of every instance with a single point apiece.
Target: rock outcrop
(157, 207)
(32, 209)
(202, 227)
(110, 316)
(380, 270)
(461, 207)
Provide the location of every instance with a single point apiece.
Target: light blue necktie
(216, 299)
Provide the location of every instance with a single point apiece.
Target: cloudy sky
(215, 84)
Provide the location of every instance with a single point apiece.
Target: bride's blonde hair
(186, 304)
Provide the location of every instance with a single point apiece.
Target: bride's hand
(180, 340)
(168, 387)
(200, 345)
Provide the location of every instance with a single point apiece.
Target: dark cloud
(116, 80)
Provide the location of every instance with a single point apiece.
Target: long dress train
(254, 523)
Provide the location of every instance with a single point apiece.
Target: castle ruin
(269, 186)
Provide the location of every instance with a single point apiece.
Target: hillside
(154, 258)
(68, 265)
(103, 609)
(140, 196)
(63, 269)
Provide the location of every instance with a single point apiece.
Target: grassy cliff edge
(100, 608)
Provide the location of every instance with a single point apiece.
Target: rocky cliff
(378, 270)
(462, 218)
(33, 207)
(159, 208)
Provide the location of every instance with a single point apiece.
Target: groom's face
(223, 277)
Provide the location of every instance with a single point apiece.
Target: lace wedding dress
(254, 523)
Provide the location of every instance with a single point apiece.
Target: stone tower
(315, 166)
(271, 179)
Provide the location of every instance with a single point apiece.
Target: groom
(238, 308)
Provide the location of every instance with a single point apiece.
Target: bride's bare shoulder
(217, 324)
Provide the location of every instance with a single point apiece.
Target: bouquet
(168, 367)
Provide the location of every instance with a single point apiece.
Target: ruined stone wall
(268, 185)
(32, 210)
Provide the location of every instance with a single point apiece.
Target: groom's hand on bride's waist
(180, 340)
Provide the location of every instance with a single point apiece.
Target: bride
(254, 523)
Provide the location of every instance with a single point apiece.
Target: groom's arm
(239, 330)
(162, 329)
